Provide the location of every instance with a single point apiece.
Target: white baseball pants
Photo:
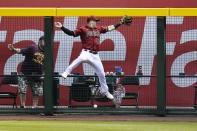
(95, 61)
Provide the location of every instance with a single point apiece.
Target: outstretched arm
(65, 30)
(11, 48)
(113, 27)
(126, 20)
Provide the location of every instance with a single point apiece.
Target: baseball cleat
(64, 75)
(109, 95)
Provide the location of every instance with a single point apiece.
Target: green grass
(95, 126)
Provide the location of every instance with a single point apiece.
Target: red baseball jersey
(90, 37)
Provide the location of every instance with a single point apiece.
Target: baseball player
(30, 66)
(90, 38)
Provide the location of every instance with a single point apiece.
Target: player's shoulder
(29, 49)
(101, 27)
(32, 47)
(82, 27)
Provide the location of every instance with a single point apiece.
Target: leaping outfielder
(90, 38)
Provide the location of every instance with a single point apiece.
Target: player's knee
(22, 91)
(37, 89)
(22, 86)
(83, 59)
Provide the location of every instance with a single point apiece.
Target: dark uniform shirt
(28, 65)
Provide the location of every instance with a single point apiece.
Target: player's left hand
(126, 20)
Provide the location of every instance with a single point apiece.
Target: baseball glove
(126, 20)
(38, 58)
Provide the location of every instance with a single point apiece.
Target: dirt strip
(99, 118)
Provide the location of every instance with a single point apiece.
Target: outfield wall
(137, 44)
(101, 3)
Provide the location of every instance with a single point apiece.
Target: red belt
(91, 51)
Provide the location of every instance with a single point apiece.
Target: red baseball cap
(92, 18)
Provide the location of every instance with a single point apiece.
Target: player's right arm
(67, 31)
(12, 48)
(23, 51)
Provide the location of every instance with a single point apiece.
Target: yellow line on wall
(112, 11)
(98, 11)
(183, 11)
(27, 11)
